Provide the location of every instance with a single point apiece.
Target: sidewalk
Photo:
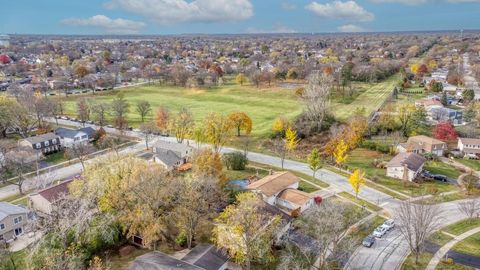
(443, 250)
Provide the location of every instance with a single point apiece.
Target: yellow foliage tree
(208, 164)
(241, 79)
(414, 68)
(241, 121)
(280, 125)
(217, 130)
(357, 180)
(291, 139)
(432, 64)
(340, 153)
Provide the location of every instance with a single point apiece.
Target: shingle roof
(41, 138)
(469, 141)
(295, 196)
(207, 257)
(7, 209)
(168, 158)
(71, 133)
(159, 261)
(272, 184)
(411, 160)
(423, 142)
(179, 148)
(52, 193)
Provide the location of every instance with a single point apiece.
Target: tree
(182, 124)
(241, 121)
(283, 146)
(468, 95)
(471, 208)
(418, 222)
(148, 130)
(208, 164)
(16, 163)
(246, 231)
(340, 153)
(218, 129)
(444, 99)
(280, 125)
(316, 97)
(445, 131)
(435, 86)
(100, 112)
(241, 79)
(143, 109)
(414, 68)
(235, 161)
(80, 151)
(162, 118)
(314, 161)
(120, 108)
(111, 142)
(470, 182)
(357, 180)
(83, 110)
(405, 116)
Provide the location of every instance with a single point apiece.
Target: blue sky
(235, 16)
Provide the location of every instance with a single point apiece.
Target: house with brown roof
(280, 189)
(422, 144)
(469, 146)
(405, 166)
(44, 201)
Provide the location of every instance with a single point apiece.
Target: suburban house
(44, 201)
(201, 257)
(46, 143)
(447, 114)
(423, 144)
(405, 166)
(13, 218)
(469, 146)
(170, 154)
(70, 137)
(281, 190)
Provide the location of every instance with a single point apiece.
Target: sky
(235, 16)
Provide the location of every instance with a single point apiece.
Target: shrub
(235, 161)
(447, 261)
(385, 149)
(181, 239)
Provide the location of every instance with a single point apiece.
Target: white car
(389, 224)
(380, 231)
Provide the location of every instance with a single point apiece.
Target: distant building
(4, 40)
(46, 143)
(422, 144)
(13, 218)
(469, 146)
(70, 137)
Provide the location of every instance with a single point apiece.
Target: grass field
(262, 105)
(371, 99)
(472, 164)
(470, 245)
(462, 226)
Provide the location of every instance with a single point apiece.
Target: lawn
(439, 238)
(371, 99)
(249, 171)
(462, 226)
(363, 159)
(471, 163)
(307, 187)
(263, 105)
(470, 245)
(359, 201)
(55, 158)
(409, 263)
(122, 263)
(437, 167)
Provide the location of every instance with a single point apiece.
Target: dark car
(426, 174)
(368, 241)
(440, 177)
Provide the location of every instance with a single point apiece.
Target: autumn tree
(340, 153)
(410, 118)
(208, 164)
(283, 146)
(357, 181)
(241, 121)
(120, 107)
(280, 125)
(445, 131)
(468, 95)
(83, 109)
(143, 109)
(314, 160)
(162, 118)
(218, 129)
(182, 124)
(241, 79)
(246, 231)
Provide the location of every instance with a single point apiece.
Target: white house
(69, 137)
(281, 190)
(469, 146)
(405, 166)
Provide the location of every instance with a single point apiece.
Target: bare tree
(148, 130)
(316, 97)
(17, 164)
(111, 142)
(80, 151)
(143, 109)
(417, 221)
(471, 208)
(100, 112)
(120, 108)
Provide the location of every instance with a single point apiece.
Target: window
(2, 226)
(18, 231)
(84, 136)
(38, 145)
(47, 143)
(17, 220)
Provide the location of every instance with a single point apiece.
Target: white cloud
(288, 6)
(175, 11)
(350, 28)
(279, 29)
(113, 26)
(348, 10)
(405, 2)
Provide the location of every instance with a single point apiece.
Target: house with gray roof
(201, 257)
(45, 143)
(171, 154)
(70, 137)
(13, 219)
(405, 166)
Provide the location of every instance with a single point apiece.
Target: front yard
(471, 163)
(470, 245)
(365, 160)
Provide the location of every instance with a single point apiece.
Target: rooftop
(274, 183)
(7, 209)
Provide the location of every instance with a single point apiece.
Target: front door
(18, 231)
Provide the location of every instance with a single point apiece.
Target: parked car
(380, 231)
(426, 174)
(389, 224)
(440, 177)
(368, 241)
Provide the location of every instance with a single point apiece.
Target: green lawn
(363, 159)
(409, 263)
(371, 99)
(359, 201)
(454, 266)
(462, 226)
(439, 238)
(470, 245)
(471, 163)
(307, 187)
(263, 105)
(445, 198)
(437, 167)
(55, 158)
(249, 171)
